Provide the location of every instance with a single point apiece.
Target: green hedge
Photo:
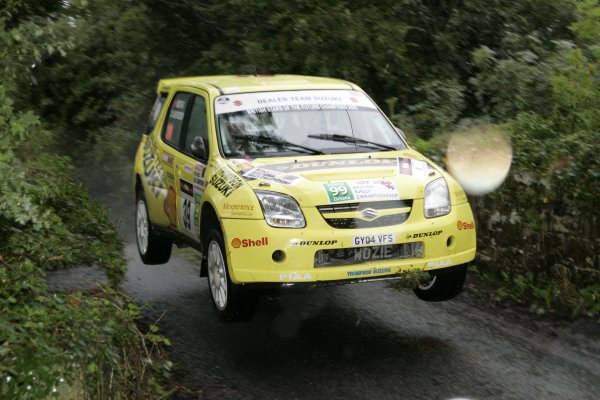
(539, 235)
(77, 345)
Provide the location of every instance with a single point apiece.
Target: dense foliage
(78, 345)
(543, 225)
(76, 77)
(529, 66)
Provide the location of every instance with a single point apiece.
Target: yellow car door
(190, 166)
(169, 146)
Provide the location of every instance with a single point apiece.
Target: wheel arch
(208, 220)
(139, 186)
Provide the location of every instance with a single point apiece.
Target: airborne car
(289, 180)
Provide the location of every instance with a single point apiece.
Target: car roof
(228, 84)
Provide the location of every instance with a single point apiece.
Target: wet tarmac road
(364, 341)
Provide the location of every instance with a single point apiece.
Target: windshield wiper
(349, 139)
(274, 141)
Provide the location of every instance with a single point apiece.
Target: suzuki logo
(369, 214)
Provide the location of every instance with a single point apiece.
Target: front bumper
(447, 241)
(306, 286)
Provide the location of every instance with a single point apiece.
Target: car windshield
(274, 124)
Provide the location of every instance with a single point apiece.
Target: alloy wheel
(142, 227)
(217, 275)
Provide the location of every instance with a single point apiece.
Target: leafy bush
(52, 344)
(539, 233)
(72, 345)
(79, 345)
(541, 230)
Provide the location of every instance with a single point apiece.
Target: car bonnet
(347, 178)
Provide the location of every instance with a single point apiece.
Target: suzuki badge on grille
(369, 214)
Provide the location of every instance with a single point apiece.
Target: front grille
(361, 255)
(365, 219)
(354, 223)
(376, 205)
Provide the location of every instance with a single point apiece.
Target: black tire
(153, 248)
(232, 302)
(444, 285)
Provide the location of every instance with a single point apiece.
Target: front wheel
(231, 301)
(153, 249)
(444, 285)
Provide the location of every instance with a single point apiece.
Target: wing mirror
(198, 148)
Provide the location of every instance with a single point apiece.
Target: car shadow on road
(317, 345)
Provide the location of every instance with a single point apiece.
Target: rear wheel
(153, 249)
(444, 285)
(232, 302)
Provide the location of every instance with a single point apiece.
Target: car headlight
(280, 210)
(437, 199)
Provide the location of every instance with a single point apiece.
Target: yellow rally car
(293, 181)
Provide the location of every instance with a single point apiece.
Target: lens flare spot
(479, 158)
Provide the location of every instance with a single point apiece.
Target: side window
(155, 112)
(174, 124)
(197, 124)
